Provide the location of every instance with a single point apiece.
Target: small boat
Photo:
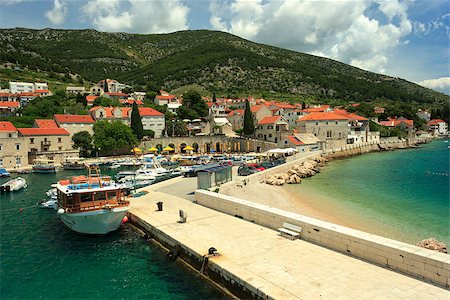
(13, 185)
(50, 203)
(113, 167)
(73, 163)
(23, 171)
(4, 173)
(43, 166)
(92, 205)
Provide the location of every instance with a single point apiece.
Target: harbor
(256, 261)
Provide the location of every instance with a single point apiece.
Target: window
(317, 123)
(17, 147)
(270, 135)
(59, 140)
(326, 123)
(269, 126)
(18, 161)
(329, 133)
(60, 148)
(10, 135)
(336, 122)
(1, 147)
(1, 162)
(101, 114)
(45, 139)
(31, 140)
(340, 135)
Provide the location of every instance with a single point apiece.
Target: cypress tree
(106, 89)
(249, 126)
(136, 122)
(214, 100)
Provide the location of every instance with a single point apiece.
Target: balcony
(45, 144)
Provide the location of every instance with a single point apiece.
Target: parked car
(256, 166)
(4, 173)
(267, 164)
(226, 162)
(245, 170)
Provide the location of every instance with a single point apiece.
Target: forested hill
(218, 61)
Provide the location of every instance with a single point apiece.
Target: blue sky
(402, 38)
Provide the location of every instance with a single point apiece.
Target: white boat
(92, 204)
(141, 174)
(155, 168)
(14, 185)
(50, 203)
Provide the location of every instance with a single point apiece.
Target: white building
(76, 90)
(437, 127)
(152, 120)
(26, 87)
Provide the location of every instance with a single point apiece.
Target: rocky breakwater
(433, 244)
(297, 172)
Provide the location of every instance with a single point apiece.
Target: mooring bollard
(160, 206)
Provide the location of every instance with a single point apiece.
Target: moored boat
(13, 185)
(92, 204)
(43, 166)
(73, 163)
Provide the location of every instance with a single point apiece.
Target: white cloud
(340, 30)
(58, 13)
(440, 84)
(137, 16)
(11, 2)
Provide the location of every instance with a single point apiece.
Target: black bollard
(160, 206)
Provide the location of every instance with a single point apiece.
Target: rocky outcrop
(297, 172)
(433, 244)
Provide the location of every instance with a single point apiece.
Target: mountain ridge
(218, 61)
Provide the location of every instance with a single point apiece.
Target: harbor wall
(214, 272)
(409, 259)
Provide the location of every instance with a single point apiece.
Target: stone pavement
(276, 266)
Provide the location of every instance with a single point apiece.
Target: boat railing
(95, 205)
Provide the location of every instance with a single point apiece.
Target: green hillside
(217, 61)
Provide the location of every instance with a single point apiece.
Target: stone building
(13, 148)
(272, 128)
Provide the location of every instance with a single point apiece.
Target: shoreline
(309, 202)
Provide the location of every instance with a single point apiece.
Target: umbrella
(188, 148)
(168, 148)
(136, 150)
(153, 149)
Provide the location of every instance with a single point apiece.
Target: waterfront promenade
(267, 264)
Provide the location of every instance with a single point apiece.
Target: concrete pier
(259, 262)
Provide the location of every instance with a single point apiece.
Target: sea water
(41, 259)
(402, 194)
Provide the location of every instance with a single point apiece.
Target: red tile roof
(91, 98)
(116, 94)
(27, 94)
(79, 119)
(320, 116)
(316, 109)
(108, 111)
(283, 105)
(435, 122)
(393, 122)
(350, 116)
(294, 140)
(256, 108)
(9, 104)
(148, 111)
(269, 120)
(46, 123)
(130, 101)
(42, 91)
(42, 131)
(7, 95)
(165, 97)
(6, 126)
(237, 112)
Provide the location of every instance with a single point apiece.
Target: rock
(292, 172)
(294, 179)
(433, 244)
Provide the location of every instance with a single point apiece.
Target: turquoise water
(402, 194)
(41, 259)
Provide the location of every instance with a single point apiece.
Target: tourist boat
(43, 166)
(4, 173)
(73, 163)
(13, 185)
(92, 204)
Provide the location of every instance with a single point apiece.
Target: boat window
(69, 199)
(85, 197)
(111, 195)
(99, 196)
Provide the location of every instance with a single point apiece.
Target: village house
(53, 144)
(74, 90)
(288, 111)
(13, 148)
(165, 98)
(129, 102)
(327, 126)
(138, 95)
(6, 96)
(26, 97)
(217, 110)
(27, 87)
(272, 128)
(378, 110)
(96, 91)
(43, 93)
(236, 117)
(75, 123)
(90, 100)
(116, 95)
(45, 123)
(8, 109)
(424, 115)
(220, 125)
(303, 142)
(437, 127)
(113, 86)
(152, 120)
(402, 123)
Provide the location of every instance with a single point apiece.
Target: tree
(106, 88)
(82, 140)
(136, 122)
(249, 127)
(214, 100)
(110, 137)
(193, 106)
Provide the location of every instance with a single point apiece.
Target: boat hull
(100, 221)
(44, 170)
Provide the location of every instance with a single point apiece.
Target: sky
(409, 39)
